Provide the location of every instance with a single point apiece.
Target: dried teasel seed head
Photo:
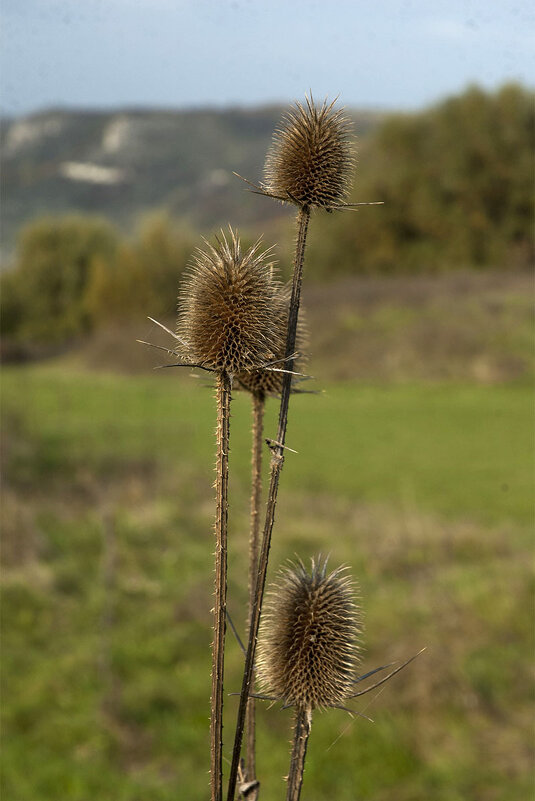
(308, 647)
(228, 306)
(310, 161)
(269, 381)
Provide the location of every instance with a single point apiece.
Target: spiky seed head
(310, 161)
(228, 306)
(269, 381)
(308, 647)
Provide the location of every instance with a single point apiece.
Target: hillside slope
(120, 164)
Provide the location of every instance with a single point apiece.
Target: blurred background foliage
(456, 181)
(74, 274)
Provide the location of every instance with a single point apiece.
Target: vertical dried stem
(303, 724)
(258, 405)
(223, 393)
(277, 460)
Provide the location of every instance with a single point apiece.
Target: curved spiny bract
(308, 647)
(228, 307)
(310, 161)
(269, 381)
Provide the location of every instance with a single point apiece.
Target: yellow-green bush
(73, 274)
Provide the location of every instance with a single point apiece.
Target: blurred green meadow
(423, 488)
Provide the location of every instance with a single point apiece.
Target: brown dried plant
(236, 320)
(228, 305)
(308, 648)
(308, 645)
(309, 164)
(311, 161)
(261, 383)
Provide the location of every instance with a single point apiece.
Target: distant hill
(121, 164)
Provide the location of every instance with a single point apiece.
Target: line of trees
(73, 274)
(457, 186)
(456, 181)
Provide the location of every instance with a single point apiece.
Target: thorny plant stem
(258, 405)
(303, 724)
(223, 393)
(277, 460)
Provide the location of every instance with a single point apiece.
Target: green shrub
(72, 274)
(456, 186)
(43, 298)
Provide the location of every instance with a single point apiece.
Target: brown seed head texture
(310, 161)
(308, 646)
(227, 307)
(269, 382)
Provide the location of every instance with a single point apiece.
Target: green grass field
(424, 489)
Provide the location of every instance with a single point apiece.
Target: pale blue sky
(176, 53)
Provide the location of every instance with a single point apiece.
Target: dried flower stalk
(309, 649)
(261, 383)
(277, 459)
(225, 325)
(258, 404)
(310, 140)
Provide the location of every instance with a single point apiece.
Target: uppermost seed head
(310, 161)
(308, 645)
(227, 306)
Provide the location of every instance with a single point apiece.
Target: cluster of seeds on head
(310, 161)
(228, 308)
(308, 646)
